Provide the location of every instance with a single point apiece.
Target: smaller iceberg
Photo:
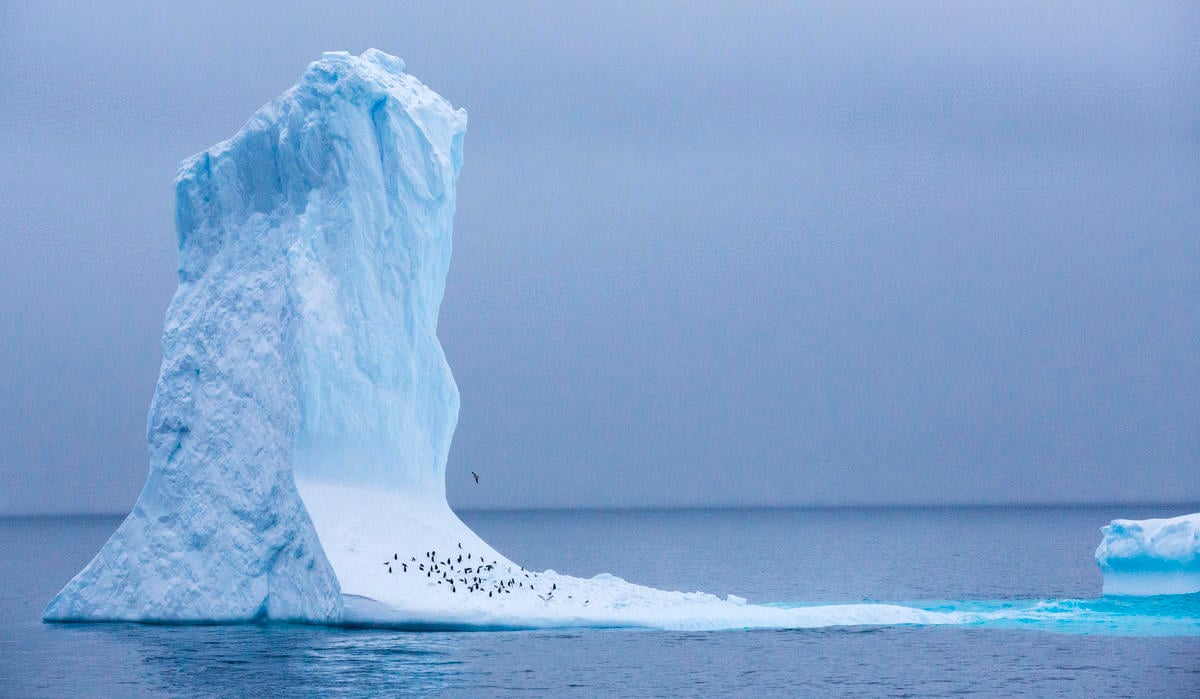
(1151, 556)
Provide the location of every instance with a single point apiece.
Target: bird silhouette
(475, 476)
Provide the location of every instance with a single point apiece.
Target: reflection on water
(256, 659)
(136, 660)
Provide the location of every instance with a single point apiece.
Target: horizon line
(1187, 504)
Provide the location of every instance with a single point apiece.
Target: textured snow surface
(1151, 556)
(304, 410)
(411, 564)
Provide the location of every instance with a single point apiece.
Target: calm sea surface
(1059, 639)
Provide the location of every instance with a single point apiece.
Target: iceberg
(300, 428)
(300, 344)
(1151, 556)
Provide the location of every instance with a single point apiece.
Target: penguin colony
(471, 574)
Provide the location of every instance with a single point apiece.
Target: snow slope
(414, 565)
(1151, 556)
(303, 415)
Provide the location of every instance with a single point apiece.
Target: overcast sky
(828, 254)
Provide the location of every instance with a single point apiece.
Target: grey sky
(830, 254)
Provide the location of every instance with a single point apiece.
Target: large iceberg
(1151, 556)
(299, 346)
(303, 415)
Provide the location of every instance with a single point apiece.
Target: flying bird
(475, 476)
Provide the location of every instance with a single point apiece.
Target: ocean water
(1025, 576)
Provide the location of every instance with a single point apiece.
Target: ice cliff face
(1151, 556)
(300, 344)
